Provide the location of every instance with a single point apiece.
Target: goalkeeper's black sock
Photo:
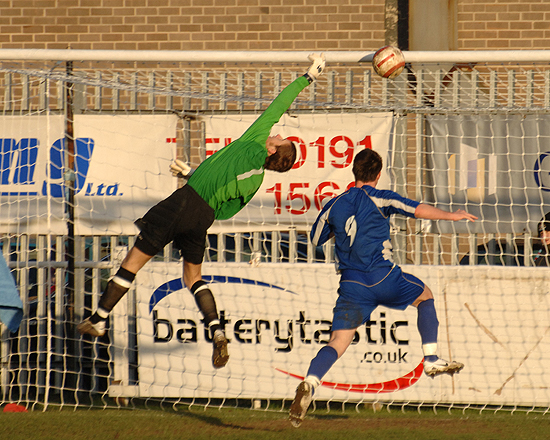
(207, 305)
(214, 326)
(95, 318)
(99, 315)
(115, 290)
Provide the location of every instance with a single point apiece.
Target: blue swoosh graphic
(177, 284)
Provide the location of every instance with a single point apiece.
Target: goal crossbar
(467, 56)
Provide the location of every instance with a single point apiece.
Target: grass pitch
(198, 423)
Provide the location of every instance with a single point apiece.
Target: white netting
(85, 150)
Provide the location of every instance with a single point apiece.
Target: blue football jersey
(359, 221)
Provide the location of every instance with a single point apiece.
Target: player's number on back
(351, 229)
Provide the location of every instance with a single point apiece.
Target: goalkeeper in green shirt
(218, 189)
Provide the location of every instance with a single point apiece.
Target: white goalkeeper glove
(180, 169)
(317, 66)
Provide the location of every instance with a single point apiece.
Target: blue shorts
(361, 292)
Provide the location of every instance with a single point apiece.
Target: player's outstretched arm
(429, 212)
(317, 66)
(180, 169)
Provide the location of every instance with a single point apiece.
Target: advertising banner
(277, 316)
(115, 180)
(326, 145)
(497, 166)
(122, 168)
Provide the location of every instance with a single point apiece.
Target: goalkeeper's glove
(317, 66)
(180, 169)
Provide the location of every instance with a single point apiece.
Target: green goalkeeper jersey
(229, 178)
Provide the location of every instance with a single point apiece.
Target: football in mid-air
(388, 62)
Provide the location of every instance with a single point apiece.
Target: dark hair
(283, 159)
(544, 224)
(367, 165)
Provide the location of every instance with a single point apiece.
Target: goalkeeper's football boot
(298, 409)
(441, 366)
(220, 354)
(87, 328)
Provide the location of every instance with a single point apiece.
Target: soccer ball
(388, 62)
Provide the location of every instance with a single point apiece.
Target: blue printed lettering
(84, 148)
(18, 164)
(18, 161)
(542, 172)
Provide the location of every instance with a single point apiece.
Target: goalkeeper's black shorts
(184, 218)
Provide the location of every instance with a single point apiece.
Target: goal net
(85, 151)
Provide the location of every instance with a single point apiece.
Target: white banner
(494, 166)
(326, 144)
(277, 316)
(117, 181)
(121, 166)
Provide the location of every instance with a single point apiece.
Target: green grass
(198, 423)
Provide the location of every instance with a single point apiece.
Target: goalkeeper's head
(281, 154)
(367, 166)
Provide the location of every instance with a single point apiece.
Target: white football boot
(298, 408)
(441, 366)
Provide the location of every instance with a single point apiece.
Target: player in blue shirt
(359, 221)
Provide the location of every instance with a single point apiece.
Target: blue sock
(320, 364)
(428, 324)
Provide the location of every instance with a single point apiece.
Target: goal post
(87, 139)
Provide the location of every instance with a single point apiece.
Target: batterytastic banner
(121, 170)
(326, 143)
(277, 316)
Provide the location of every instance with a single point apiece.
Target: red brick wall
(503, 24)
(252, 24)
(193, 24)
